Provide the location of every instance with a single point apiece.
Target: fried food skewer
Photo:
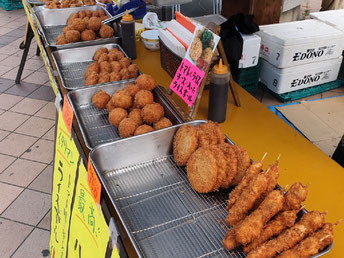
(247, 199)
(309, 223)
(295, 196)
(253, 224)
(229, 242)
(251, 172)
(312, 244)
(283, 220)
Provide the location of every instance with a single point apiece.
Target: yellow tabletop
(256, 128)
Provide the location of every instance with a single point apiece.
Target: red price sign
(67, 114)
(93, 182)
(186, 82)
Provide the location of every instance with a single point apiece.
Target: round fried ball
(143, 129)
(143, 97)
(92, 67)
(88, 35)
(124, 74)
(116, 67)
(100, 99)
(89, 13)
(117, 55)
(105, 67)
(133, 68)
(99, 52)
(145, 82)
(67, 28)
(72, 17)
(162, 123)
(106, 31)
(113, 50)
(125, 62)
(73, 36)
(109, 106)
(131, 89)
(95, 14)
(79, 24)
(116, 115)
(112, 56)
(61, 40)
(86, 19)
(82, 14)
(133, 75)
(91, 79)
(103, 18)
(94, 23)
(101, 13)
(135, 114)
(114, 76)
(104, 77)
(127, 127)
(152, 113)
(122, 100)
(103, 57)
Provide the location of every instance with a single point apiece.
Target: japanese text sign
(93, 182)
(67, 114)
(89, 235)
(66, 163)
(186, 81)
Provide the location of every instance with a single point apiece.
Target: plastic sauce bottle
(128, 35)
(219, 81)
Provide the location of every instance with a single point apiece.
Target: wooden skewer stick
(302, 207)
(266, 170)
(263, 157)
(322, 239)
(279, 156)
(339, 221)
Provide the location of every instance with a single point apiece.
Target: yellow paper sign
(66, 163)
(89, 232)
(115, 253)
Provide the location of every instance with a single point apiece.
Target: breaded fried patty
(243, 163)
(184, 144)
(221, 165)
(232, 163)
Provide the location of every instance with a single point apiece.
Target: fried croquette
(105, 67)
(127, 127)
(221, 166)
(91, 79)
(143, 129)
(106, 31)
(184, 144)
(104, 77)
(82, 14)
(206, 135)
(152, 113)
(109, 106)
(112, 56)
(133, 75)
(218, 131)
(116, 55)
(120, 99)
(88, 35)
(115, 66)
(92, 67)
(116, 115)
(143, 97)
(86, 19)
(95, 14)
(135, 114)
(61, 40)
(162, 123)
(72, 36)
(145, 82)
(125, 75)
(131, 89)
(94, 23)
(125, 62)
(232, 162)
(100, 99)
(67, 28)
(133, 68)
(244, 162)
(114, 76)
(202, 170)
(101, 13)
(103, 18)
(103, 57)
(79, 24)
(99, 52)
(88, 13)
(72, 17)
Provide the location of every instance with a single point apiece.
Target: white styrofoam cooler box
(250, 51)
(334, 18)
(301, 42)
(299, 77)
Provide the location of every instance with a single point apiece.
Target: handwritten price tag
(186, 82)
(93, 182)
(67, 114)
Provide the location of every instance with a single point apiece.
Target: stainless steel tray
(35, 2)
(94, 124)
(160, 212)
(52, 21)
(72, 64)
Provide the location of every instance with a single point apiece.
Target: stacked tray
(72, 64)
(52, 21)
(94, 124)
(157, 207)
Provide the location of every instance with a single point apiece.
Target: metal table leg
(28, 37)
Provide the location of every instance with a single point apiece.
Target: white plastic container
(299, 77)
(334, 18)
(250, 51)
(301, 42)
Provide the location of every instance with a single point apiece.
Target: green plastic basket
(298, 94)
(9, 5)
(249, 77)
(342, 67)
